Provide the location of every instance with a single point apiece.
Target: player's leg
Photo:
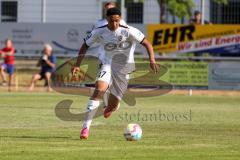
(113, 105)
(105, 98)
(101, 85)
(10, 82)
(117, 89)
(92, 107)
(3, 74)
(35, 78)
(48, 81)
(10, 71)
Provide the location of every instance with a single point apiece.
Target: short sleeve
(136, 34)
(122, 22)
(91, 38)
(53, 59)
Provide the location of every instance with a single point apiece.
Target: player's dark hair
(8, 39)
(197, 12)
(113, 11)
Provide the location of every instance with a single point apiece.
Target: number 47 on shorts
(101, 74)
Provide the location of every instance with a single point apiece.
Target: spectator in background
(7, 54)
(47, 63)
(103, 22)
(197, 20)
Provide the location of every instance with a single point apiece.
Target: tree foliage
(179, 8)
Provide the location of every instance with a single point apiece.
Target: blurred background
(134, 11)
(63, 24)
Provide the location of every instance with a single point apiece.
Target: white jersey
(118, 45)
(94, 49)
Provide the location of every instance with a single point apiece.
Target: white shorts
(117, 81)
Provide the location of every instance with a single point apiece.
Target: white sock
(91, 111)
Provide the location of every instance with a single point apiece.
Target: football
(133, 132)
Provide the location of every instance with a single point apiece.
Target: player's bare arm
(10, 53)
(4, 54)
(154, 66)
(80, 57)
(50, 63)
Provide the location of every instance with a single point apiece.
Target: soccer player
(102, 22)
(48, 64)
(7, 53)
(95, 48)
(117, 44)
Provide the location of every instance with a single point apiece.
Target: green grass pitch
(174, 128)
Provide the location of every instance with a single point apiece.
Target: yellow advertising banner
(191, 38)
